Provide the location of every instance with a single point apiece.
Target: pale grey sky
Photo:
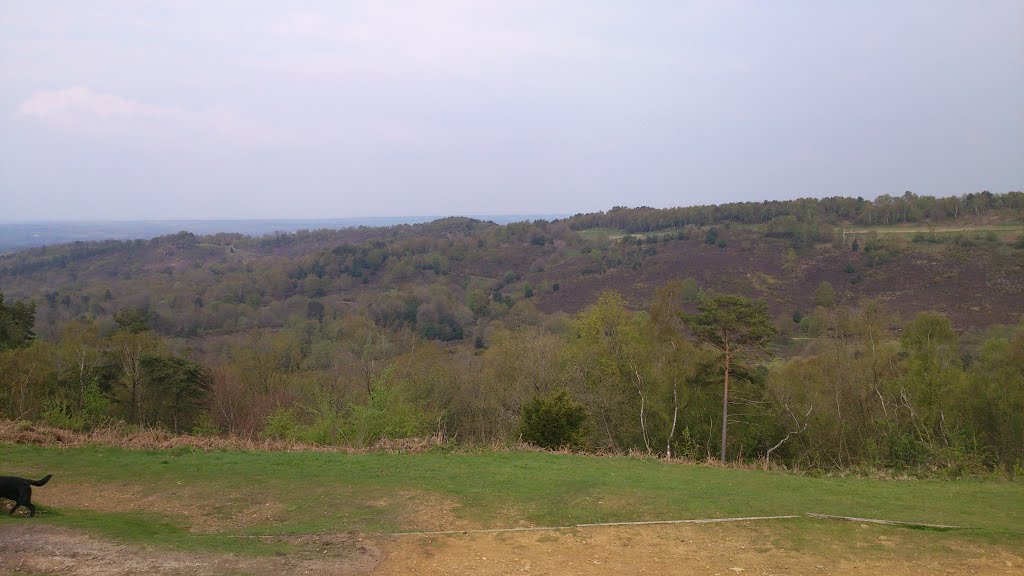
(248, 109)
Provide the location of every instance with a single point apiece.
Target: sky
(179, 109)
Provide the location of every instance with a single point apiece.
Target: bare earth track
(748, 549)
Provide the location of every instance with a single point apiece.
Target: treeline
(857, 388)
(834, 211)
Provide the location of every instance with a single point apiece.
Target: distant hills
(452, 278)
(20, 235)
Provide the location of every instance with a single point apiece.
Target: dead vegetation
(135, 438)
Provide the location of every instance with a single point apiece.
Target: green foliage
(175, 390)
(205, 426)
(133, 320)
(315, 310)
(688, 446)
(553, 421)
(388, 414)
(825, 295)
(728, 320)
(906, 451)
(736, 327)
(997, 402)
(690, 290)
(326, 423)
(59, 413)
(606, 349)
(281, 424)
(16, 322)
(94, 410)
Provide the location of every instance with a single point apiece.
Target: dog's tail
(40, 482)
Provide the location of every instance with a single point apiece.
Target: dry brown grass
(133, 437)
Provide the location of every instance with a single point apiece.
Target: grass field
(228, 502)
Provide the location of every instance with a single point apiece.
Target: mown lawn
(329, 492)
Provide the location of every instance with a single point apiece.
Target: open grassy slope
(186, 499)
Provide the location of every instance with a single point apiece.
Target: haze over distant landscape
(17, 235)
(124, 111)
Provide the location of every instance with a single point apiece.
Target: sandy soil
(673, 549)
(668, 549)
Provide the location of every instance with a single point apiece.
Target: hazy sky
(247, 109)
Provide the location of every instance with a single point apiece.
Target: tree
(517, 365)
(735, 326)
(177, 389)
(825, 295)
(132, 340)
(128, 350)
(315, 310)
(79, 355)
(608, 358)
(664, 322)
(553, 421)
(132, 320)
(933, 379)
(16, 321)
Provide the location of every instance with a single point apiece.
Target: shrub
(825, 295)
(690, 290)
(388, 414)
(905, 451)
(553, 421)
(91, 414)
(281, 424)
(59, 413)
(205, 426)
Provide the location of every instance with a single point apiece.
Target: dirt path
(674, 549)
(40, 549)
(606, 551)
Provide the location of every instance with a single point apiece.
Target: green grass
(618, 234)
(601, 233)
(329, 492)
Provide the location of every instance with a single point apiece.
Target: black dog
(20, 490)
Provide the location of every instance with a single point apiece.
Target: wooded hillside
(896, 337)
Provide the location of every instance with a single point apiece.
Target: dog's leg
(16, 504)
(31, 509)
